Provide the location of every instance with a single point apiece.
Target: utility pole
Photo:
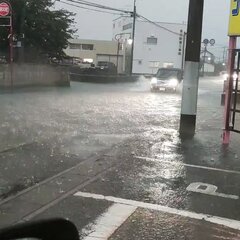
(191, 72)
(183, 51)
(133, 36)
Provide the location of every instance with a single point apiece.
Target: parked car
(107, 67)
(166, 79)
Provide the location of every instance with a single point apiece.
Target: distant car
(166, 79)
(107, 67)
(224, 74)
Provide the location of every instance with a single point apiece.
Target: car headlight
(154, 80)
(235, 76)
(225, 76)
(173, 82)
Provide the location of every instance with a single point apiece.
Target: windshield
(98, 125)
(167, 73)
(103, 64)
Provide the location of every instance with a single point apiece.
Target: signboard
(5, 21)
(4, 9)
(234, 22)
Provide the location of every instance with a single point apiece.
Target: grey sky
(92, 25)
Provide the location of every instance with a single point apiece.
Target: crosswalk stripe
(234, 224)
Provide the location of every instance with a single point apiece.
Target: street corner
(130, 219)
(149, 224)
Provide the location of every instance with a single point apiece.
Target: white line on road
(234, 224)
(108, 222)
(188, 165)
(209, 189)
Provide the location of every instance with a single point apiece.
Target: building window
(74, 46)
(87, 47)
(127, 26)
(152, 40)
(81, 46)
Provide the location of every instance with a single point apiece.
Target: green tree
(46, 30)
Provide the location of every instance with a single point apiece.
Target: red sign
(4, 9)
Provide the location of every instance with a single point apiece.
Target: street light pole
(118, 42)
(204, 60)
(133, 36)
(118, 48)
(191, 71)
(22, 34)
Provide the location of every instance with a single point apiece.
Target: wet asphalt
(50, 130)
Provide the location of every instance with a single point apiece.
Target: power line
(156, 24)
(101, 6)
(81, 2)
(95, 5)
(90, 9)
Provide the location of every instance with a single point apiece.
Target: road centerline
(188, 165)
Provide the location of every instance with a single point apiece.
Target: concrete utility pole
(133, 36)
(191, 72)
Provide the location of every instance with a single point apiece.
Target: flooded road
(53, 129)
(95, 149)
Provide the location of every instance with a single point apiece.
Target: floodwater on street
(68, 124)
(100, 149)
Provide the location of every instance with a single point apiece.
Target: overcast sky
(93, 25)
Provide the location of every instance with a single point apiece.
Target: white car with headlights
(166, 79)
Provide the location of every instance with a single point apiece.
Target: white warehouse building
(154, 46)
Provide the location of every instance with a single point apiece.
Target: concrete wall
(149, 57)
(33, 75)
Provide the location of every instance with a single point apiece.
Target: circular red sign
(4, 9)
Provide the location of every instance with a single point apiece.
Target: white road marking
(234, 224)
(208, 189)
(108, 222)
(188, 165)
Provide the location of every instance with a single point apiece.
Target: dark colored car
(107, 67)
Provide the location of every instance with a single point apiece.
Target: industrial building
(156, 44)
(94, 51)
